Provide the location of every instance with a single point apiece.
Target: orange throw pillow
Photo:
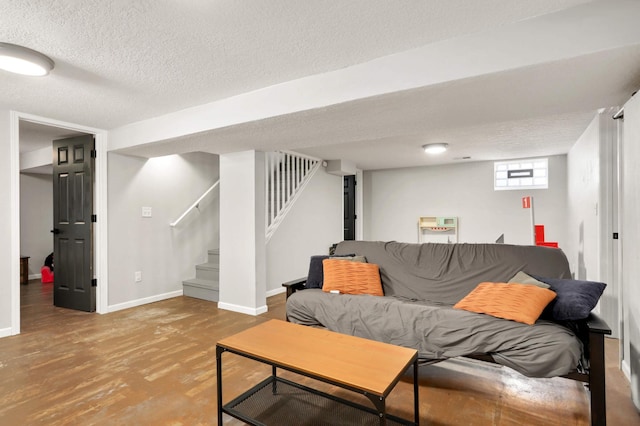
(517, 302)
(351, 277)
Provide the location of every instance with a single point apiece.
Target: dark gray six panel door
(73, 230)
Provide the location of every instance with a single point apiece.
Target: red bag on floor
(47, 275)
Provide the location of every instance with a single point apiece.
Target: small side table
(24, 270)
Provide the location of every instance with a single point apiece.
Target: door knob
(55, 231)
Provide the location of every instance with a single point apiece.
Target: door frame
(100, 209)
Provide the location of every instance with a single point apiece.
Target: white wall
(396, 198)
(164, 255)
(630, 248)
(591, 179)
(36, 219)
(583, 171)
(313, 224)
(6, 257)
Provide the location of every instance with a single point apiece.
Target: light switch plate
(146, 212)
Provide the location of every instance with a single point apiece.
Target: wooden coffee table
(364, 366)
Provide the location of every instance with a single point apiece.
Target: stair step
(208, 271)
(201, 289)
(200, 283)
(214, 256)
(208, 265)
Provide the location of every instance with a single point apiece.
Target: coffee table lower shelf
(278, 401)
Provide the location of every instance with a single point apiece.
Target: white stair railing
(195, 205)
(287, 174)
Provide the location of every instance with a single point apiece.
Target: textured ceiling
(120, 62)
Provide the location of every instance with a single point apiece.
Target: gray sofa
(422, 282)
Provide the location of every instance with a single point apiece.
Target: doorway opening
(349, 207)
(31, 169)
(353, 206)
(39, 187)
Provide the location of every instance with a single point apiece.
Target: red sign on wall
(526, 202)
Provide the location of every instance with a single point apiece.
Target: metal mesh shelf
(277, 401)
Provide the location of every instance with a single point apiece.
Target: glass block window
(521, 174)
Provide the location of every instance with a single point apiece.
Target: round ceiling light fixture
(25, 61)
(435, 148)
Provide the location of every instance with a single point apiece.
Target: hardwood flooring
(155, 365)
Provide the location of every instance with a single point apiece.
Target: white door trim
(100, 255)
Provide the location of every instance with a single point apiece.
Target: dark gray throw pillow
(575, 298)
(524, 278)
(315, 277)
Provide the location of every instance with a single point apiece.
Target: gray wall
(630, 248)
(395, 199)
(164, 255)
(312, 225)
(36, 219)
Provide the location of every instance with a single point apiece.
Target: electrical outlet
(146, 212)
(137, 276)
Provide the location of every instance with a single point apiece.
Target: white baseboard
(276, 291)
(242, 309)
(34, 276)
(626, 370)
(6, 332)
(144, 301)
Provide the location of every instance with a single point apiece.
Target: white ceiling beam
(38, 158)
(548, 38)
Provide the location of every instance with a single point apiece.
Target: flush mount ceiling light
(21, 60)
(435, 148)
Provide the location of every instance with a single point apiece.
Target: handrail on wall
(194, 205)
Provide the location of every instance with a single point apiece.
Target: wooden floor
(155, 365)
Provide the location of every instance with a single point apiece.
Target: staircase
(287, 174)
(206, 283)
